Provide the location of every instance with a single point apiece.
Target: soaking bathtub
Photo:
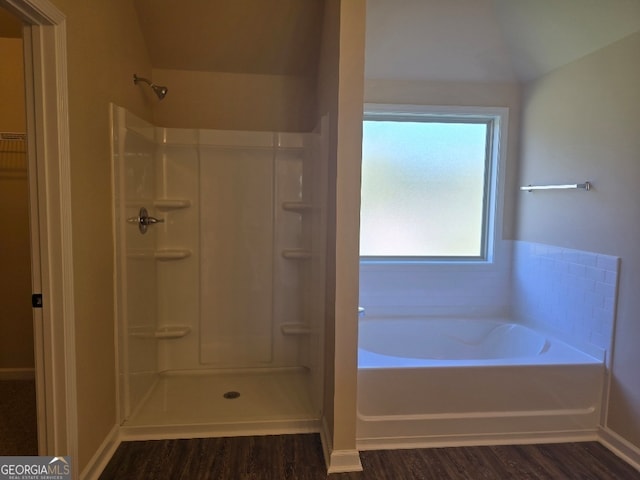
(471, 381)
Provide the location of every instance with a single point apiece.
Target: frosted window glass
(423, 189)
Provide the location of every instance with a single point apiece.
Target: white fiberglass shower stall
(219, 280)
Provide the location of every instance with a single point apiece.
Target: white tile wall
(569, 293)
(449, 289)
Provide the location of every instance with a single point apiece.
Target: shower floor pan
(224, 403)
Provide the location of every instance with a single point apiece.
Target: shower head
(159, 91)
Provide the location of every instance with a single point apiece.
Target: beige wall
(581, 123)
(235, 101)
(16, 324)
(349, 161)
(10, 25)
(328, 104)
(105, 48)
(12, 113)
(471, 94)
(341, 83)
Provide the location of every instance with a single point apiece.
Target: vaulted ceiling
(542, 35)
(489, 40)
(447, 40)
(460, 40)
(278, 37)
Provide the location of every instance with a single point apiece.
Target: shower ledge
(176, 254)
(168, 254)
(171, 203)
(167, 332)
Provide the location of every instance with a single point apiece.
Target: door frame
(46, 98)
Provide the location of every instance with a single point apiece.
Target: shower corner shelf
(166, 332)
(177, 254)
(172, 331)
(296, 254)
(297, 207)
(295, 329)
(171, 203)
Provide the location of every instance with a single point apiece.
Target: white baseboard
(342, 461)
(17, 373)
(442, 441)
(102, 456)
(620, 447)
(338, 461)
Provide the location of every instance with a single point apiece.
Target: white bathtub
(436, 382)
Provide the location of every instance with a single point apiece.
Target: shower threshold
(214, 403)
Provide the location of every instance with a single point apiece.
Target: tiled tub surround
(439, 288)
(568, 293)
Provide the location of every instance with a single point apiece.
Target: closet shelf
(298, 207)
(296, 254)
(171, 203)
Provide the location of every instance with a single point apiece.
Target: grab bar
(585, 186)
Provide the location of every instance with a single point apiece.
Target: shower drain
(231, 395)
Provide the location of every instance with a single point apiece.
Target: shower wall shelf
(177, 254)
(165, 333)
(171, 203)
(295, 329)
(298, 207)
(296, 254)
(174, 254)
(140, 254)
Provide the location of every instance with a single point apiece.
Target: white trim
(257, 428)
(620, 447)
(17, 374)
(101, 457)
(442, 441)
(35, 12)
(342, 461)
(36, 280)
(48, 132)
(325, 439)
(338, 461)
(496, 181)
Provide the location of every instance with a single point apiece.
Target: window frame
(497, 120)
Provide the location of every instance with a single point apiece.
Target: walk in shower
(220, 279)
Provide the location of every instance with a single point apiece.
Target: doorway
(45, 82)
(18, 429)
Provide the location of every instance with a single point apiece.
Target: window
(429, 181)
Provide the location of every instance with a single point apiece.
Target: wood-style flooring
(299, 457)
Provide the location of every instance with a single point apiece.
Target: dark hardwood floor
(300, 457)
